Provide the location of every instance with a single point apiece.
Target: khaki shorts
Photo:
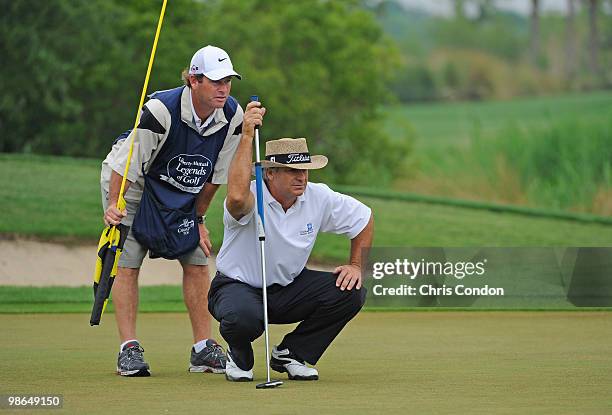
(134, 253)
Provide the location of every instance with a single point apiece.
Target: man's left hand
(205, 243)
(349, 276)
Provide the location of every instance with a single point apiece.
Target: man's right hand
(253, 116)
(113, 216)
(239, 199)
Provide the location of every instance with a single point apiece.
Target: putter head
(269, 385)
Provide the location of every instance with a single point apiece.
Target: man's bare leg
(196, 282)
(125, 300)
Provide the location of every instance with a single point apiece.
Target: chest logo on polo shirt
(188, 172)
(308, 231)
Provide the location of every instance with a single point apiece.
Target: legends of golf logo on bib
(188, 172)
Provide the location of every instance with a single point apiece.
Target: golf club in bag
(262, 238)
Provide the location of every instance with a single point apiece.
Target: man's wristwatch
(201, 219)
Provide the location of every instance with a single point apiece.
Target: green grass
(383, 194)
(549, 152)
(159, 298)
(420, 224)
(50, 196)
(561, 166)
(169, 298)
(422, 363)
(58, 198)
(446, 125)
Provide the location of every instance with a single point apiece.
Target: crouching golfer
(295, 212)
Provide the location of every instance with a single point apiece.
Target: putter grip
(255, 98)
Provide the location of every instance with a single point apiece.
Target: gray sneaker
(211, 359)
(130, 361)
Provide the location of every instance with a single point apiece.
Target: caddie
(185, 141)
(295, 211)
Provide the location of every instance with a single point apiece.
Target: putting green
(438, 362)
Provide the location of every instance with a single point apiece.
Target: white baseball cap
(212, 62)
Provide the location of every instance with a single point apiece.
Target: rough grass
(551, 152)
(443, 363)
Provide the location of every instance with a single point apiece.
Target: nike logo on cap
(221, 60)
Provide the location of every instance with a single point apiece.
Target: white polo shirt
(290, 236)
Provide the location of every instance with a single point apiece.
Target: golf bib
(165, 222)
(167, 232)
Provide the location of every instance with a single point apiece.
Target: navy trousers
(311, 299)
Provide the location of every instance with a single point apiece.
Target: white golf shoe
(285, 361)
(234, 373)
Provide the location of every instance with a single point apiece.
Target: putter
(268, 384)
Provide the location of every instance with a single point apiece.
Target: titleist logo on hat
(293, 158)
(292, 153)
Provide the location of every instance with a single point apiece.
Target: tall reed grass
(566, 164)
(563, 164)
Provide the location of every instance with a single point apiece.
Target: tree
(486, 9)
(46, 60)
(570, 41)
(459, 9)
(74, 69)
(593, 38)
(535, 32)
(321, 68)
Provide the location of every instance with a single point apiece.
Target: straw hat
(292, 153)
